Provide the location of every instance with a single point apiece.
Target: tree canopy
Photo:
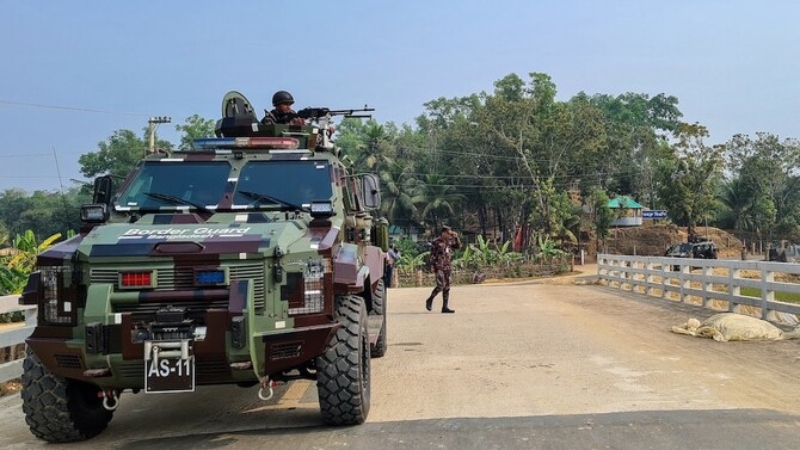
(516, 162)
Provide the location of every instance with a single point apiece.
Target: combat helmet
(282, 97)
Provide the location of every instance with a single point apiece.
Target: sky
(74, 72)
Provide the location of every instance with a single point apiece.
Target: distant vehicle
(777, 255)
(697, 250)
(701, 249)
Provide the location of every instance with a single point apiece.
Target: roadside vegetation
(17, 263)
(480, 261)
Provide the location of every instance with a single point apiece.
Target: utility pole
(152, 124)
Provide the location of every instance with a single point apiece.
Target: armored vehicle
(251, 259)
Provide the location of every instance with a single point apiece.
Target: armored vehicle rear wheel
(57, 409)
(343, 371)
(379, 308)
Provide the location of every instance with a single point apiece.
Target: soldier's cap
(445, 228)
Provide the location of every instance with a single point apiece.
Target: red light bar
(136, 279)
(283, 143)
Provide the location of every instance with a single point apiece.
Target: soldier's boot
(429, 303)
(445, 301)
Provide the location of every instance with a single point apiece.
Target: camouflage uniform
(441, 252)
(276, 116)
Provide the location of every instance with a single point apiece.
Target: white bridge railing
(708, 282)
(14, 333)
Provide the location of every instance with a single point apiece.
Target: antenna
(63, 197)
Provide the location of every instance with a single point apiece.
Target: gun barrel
(351, 111)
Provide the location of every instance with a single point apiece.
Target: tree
(46, 213)
(768, 168)
(195, 127)
(690, 186)
(436, 199)
(739, 202)
(551, 139)
(602, 215)
(636, 127)
(118, 155)
(397, 193)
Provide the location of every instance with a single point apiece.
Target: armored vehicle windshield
(163, 185)
(292, 183)
(259, 185)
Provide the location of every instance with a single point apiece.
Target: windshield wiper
(177, 201)
(259, 197)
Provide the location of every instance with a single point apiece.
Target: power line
(29, 178)
(70, 108)
(28, 155)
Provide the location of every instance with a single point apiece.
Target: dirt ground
(652, 240)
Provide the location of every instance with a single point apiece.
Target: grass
(787, 297)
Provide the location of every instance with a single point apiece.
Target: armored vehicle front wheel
(379, 308)
(343, 371)
(57, 409)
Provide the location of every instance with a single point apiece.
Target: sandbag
(734, 327)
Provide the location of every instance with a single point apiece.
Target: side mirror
(370, 190)
(103, 190)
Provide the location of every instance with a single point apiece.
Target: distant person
(441, 255)
(392, 256)
(282, 112)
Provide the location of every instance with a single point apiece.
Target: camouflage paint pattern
(263, 255)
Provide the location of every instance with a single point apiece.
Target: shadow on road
(658, 430)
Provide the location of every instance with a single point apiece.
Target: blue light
(211, 143)
(206, 277)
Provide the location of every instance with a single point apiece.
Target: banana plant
(14, 274)
(483, 253)
(409, 263)
(465, 260)
(549, 248)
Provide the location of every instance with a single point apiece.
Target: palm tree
(378, 147)
(397, 198)
(436, 198)
(739, 198)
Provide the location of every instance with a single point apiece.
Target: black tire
(57, 409)
(379, 298)
(343, 371)
(379, 308)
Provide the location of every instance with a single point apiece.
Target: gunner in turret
(282, 113)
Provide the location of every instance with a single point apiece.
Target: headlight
(94, 213)
(306, 290)
(58, 302)
(321, 209)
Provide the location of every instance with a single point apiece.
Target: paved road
(537, 365)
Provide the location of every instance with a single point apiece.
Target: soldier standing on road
(282, 113)
(441, 253)
(392, 256)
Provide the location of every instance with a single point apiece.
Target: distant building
(410, 232)
(630, 212)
